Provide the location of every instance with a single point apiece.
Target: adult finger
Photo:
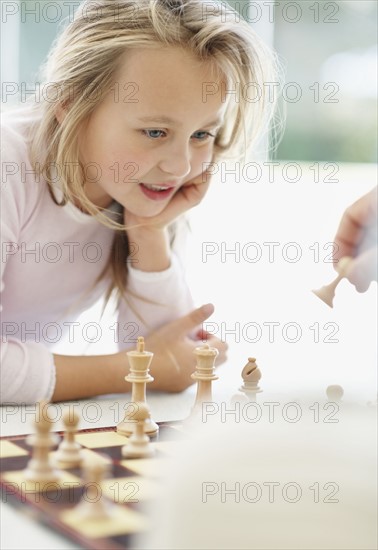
(355, 223)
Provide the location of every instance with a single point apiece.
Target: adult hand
(357, 237)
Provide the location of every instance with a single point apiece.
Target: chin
(150, 213)
(153, 214)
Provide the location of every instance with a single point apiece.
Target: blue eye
(205, 135)
(156, 134)
(153, 134)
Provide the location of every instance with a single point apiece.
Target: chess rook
(139, 361)
(204, 374)
(39, 467)
(251, 376)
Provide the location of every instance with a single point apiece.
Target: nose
(175, 160)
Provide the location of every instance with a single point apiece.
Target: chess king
(139, 361)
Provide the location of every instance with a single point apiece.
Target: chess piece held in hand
(327, 293)
(139, 361)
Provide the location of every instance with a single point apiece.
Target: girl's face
(155, 128)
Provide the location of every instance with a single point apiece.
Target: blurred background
(328, 50)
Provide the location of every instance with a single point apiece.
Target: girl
(140, 98)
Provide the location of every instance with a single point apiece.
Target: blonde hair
(88, 54)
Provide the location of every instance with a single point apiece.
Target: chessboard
(94, 485)
(127, 487)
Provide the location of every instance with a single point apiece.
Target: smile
(155, 187)
(156, 192)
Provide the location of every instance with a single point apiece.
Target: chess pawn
(39, 467)
(93, 506)
(334, 393)
(139, 445)
(69, 454)
(139, 361)
(204, 375)
(251, 376)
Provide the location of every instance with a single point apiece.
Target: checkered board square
(130, 483)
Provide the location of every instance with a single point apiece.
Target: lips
(157, 186)
(156, 191)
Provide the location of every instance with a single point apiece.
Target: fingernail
(207, 309)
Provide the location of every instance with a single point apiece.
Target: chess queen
(139, 103)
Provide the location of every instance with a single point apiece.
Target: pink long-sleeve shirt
(50, 258)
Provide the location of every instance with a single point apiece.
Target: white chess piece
(251, 376)
(139, 445)
(204, 375)
(139, 376)
(69, 453)
(39, 467)
(93, 505)
(334, 393)
(327, 293)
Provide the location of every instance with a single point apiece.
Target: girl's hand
(174, 361)
(190, 194)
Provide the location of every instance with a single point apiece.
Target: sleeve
(154, 299)
(27, 371)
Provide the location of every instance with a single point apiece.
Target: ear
(60, 112)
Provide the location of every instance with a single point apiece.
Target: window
(330, 53)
